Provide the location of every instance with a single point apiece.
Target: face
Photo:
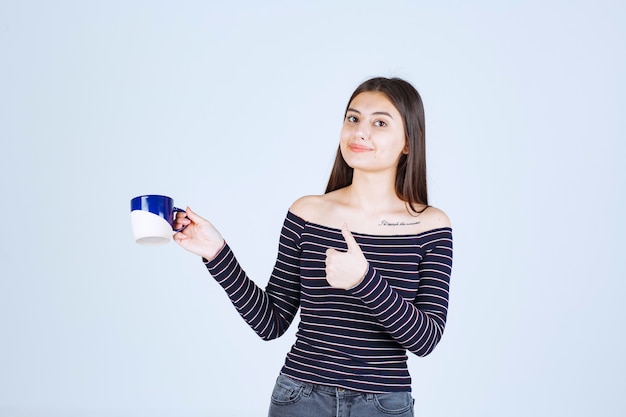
(372, 137)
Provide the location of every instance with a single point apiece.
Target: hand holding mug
(152, 219)
(198, 235)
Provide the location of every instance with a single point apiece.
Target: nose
(362, 131)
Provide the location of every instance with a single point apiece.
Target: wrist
(361, 278)
(210, 255)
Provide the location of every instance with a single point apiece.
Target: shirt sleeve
(418, 326)
(268, 312)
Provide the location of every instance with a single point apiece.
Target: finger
(350, 240)
(179, 237)
(181, 217)
(180, 223)
(193, 216)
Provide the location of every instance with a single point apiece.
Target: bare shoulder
(319, 209)
(307, 206)
(434, 218)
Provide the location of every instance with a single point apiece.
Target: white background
(235, 108)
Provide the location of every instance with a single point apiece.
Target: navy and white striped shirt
(353, 339)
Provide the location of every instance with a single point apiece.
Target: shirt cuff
(368, 284)
(219, 256)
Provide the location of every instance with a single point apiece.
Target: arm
(418, 325)
(269, 313)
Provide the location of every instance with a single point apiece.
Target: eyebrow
(384, 113)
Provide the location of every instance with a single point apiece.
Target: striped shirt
(357, 338)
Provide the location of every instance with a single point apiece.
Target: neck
(373, 193)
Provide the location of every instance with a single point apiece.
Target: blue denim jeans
(292, 398)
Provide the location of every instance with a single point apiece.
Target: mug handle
(176, 209)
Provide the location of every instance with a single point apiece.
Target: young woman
(368, 264)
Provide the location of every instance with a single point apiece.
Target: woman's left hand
(346, 269)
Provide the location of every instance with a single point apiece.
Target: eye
(380, 123)
(352, 119)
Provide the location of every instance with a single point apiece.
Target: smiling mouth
(359, 148)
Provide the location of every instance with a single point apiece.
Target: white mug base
(150, 229)
(152, 240)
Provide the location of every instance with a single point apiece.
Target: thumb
(350, 240)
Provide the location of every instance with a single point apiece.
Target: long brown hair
(411, 173)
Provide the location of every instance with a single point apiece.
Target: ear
(405, 151)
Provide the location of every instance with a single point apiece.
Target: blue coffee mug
(152, 219)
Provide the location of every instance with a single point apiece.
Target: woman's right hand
(199, 236)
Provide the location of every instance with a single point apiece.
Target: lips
(358, 148)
